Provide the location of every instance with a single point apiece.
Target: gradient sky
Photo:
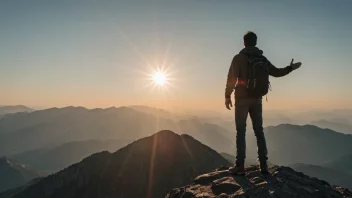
(97, 53)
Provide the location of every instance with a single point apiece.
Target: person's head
(250, 39)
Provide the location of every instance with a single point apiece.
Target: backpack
(258, 77)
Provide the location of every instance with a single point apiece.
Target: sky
(99, 53)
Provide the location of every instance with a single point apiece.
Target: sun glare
(159, 78)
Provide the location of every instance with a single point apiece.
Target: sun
(159, 78)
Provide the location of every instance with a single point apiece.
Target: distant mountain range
(333, 176)
(57, 158)
(149, 167)
(334, 125)
(54, 139)
(343, 163)
(290, 144)
(14, 109)
(52, 127)
(287, 144)
(14, 174)
(153, 166)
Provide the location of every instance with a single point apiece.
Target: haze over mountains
(53, 139)
(13, 109)
(28, 131)
(57, 158)
(22, 132)
(14, 174)
(290, 144)
(341, 126)
(333, 176)
(343, 164)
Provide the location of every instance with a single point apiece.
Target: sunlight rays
(151, 167)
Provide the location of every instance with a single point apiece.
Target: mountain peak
(282, 182)
(148, 167)
(167, 134)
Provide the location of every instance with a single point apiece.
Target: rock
(222, 195)
(225, 185)
(210, 177)
(283, 182)
(223, 168)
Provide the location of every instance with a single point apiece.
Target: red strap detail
(241, 82)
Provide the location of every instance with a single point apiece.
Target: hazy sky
(98, 53)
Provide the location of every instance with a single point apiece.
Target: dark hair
(250, 39)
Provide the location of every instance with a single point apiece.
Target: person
(240, 78)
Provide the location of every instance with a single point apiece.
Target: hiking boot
(238, 170)
(263, 167)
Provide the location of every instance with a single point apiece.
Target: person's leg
(256, 114)
(241, 114)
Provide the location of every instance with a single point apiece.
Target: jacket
(238, 72)
(237, 75)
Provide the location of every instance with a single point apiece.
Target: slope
(149, 167)
(343, 163)
(290, 144)
(57, 158)
(335, 177)
(13, 174)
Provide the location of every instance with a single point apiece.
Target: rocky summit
(282, 182)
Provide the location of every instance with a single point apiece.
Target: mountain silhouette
(334, 125)
(283, 182)
(290, 144)
(14, 109)
(23, 132)
(57, 158)
(13, 174)
(335, 177)
(149, 167)
(343, 163)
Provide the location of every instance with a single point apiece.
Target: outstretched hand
(295, 65)
(228, 103)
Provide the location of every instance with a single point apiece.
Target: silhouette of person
(240, 78)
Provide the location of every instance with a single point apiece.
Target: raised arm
(279, 72)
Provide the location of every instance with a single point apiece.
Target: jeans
(253, 106)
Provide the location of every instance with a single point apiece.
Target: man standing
(249, 77)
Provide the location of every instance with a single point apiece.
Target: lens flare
(159, 78)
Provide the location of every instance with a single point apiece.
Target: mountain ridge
(55, 126)
(57, 158)
(14, 174)
(290, 144)
(333, 176)
(146, 164)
